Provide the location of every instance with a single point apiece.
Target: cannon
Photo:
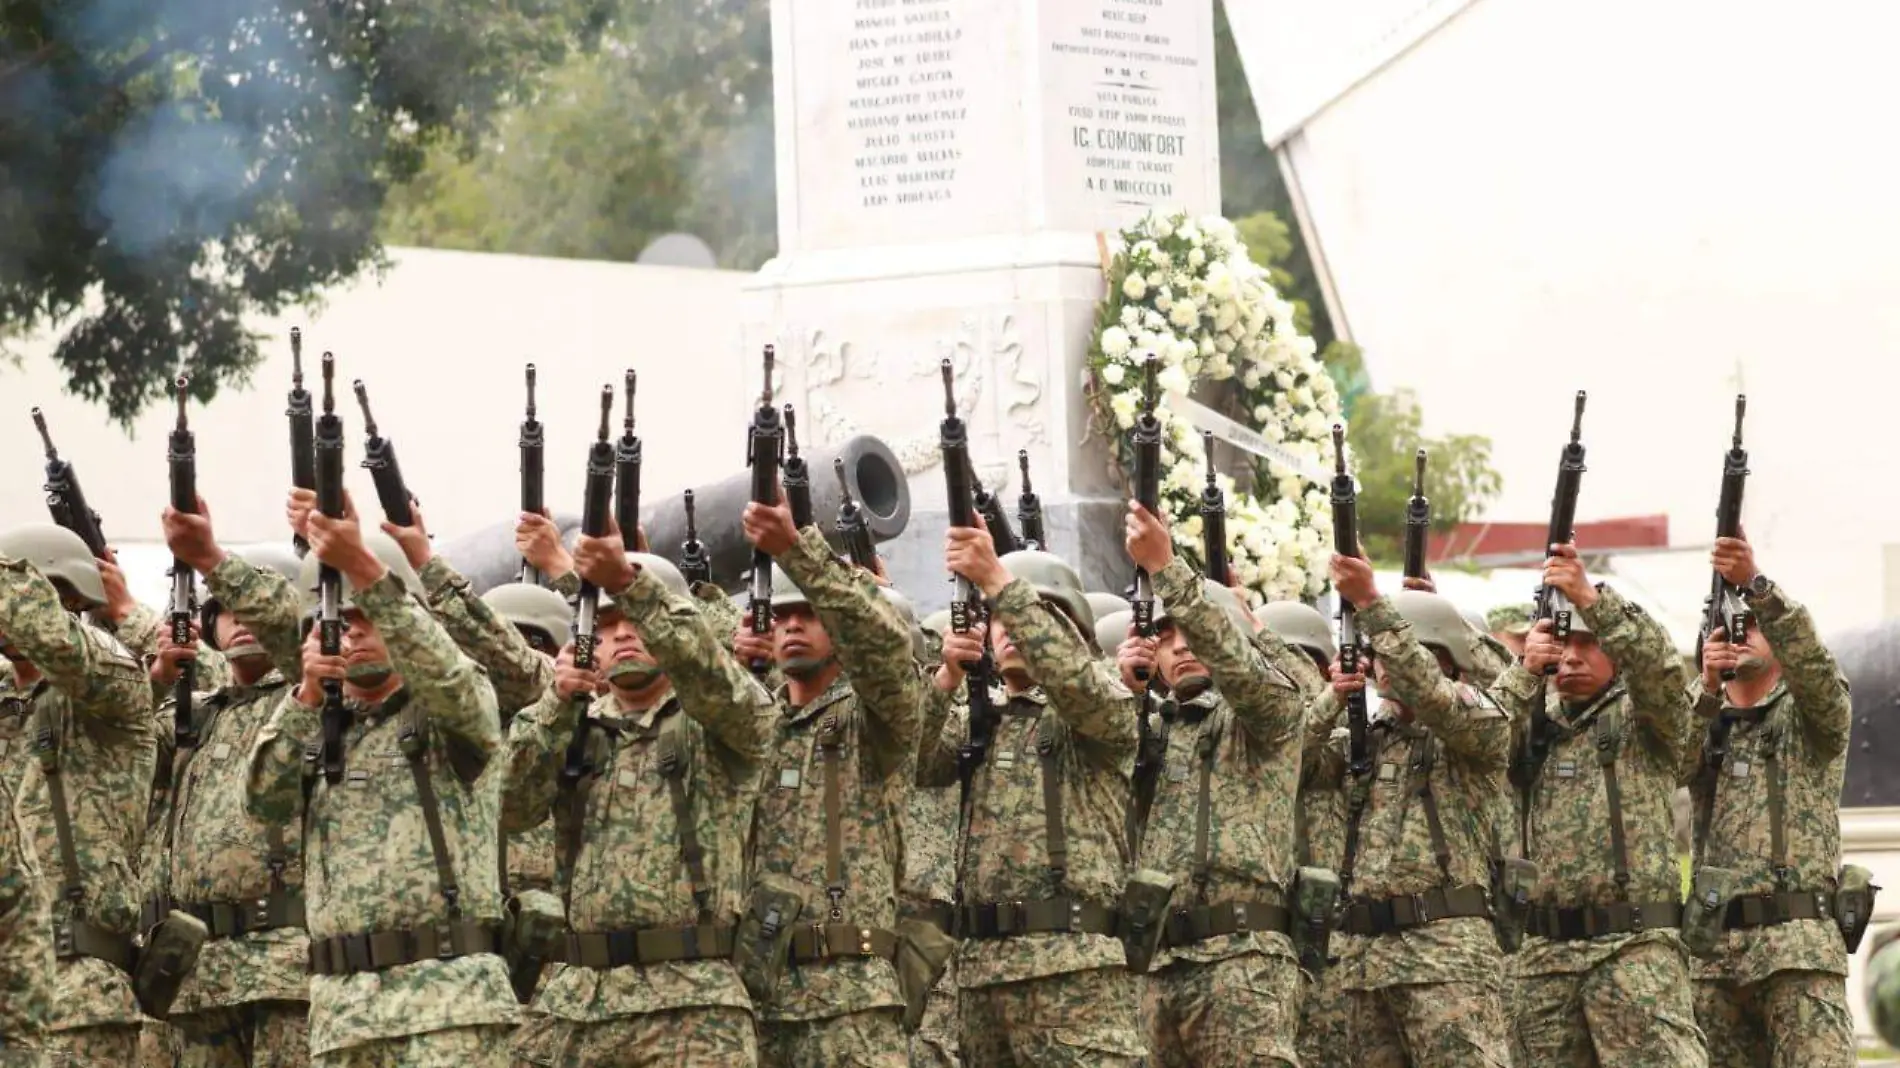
(1870, 658)
(487, 557)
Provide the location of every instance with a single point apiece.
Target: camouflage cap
(532, 607)
(1514, 619)
(60, 555)
(1299, 624)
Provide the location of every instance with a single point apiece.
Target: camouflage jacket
(1251, 721)
(205, 846)
(26, 944)
(139, 632)
(270, 607)
(877, 702)
(1644, 716)
(1802, 736)
(97, 700)
(1458, 737)
(367, 861)
(1089, 721)
(931, 818)
(716, 721)
(520, 676)
(1319, 838)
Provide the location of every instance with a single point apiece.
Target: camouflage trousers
(1427, 1025)
(107, 1046)
(159, 1045)
(720, 1035)
(1081, 1018)
(262, 1034)
(1634, 1010)
(1793, 1019)
(1241, 1010)
(935, 1043)
(454, 1047)
(1324, 1037)
(870, 1039)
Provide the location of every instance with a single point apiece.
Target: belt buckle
(1636, 919)
(63, 940)
(257, 915)
(1075, 914)
(445, 942)
(821, 948)
(1420, 909)
(1240, 917)
(1011, 917)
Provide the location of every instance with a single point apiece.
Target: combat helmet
(663, 569)
(263, 557)
(937, 622)
(1111, 630)
(1103, 603)
(1299, 624)
(1057, 583)
(381, 546)
(785, 592)
(60, 555)
(1437, 623)
(1223, 598)
(918, 647)
(527, 606)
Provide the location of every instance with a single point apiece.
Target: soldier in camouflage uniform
(851, 708)
(400, 854)
(26, 947)
(90, 706)
(651, 830)
(1041, 974)
(1225, 987)
(1417, 955)
(539, 541)
(1602, 977)
(1775, 990)
(247, 1001)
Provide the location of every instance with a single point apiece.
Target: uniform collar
(839, 689)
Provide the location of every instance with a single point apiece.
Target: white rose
(1184, 314)
(1131, 316)
(1270, 428)
(1220, 368)
(1207, 345)
(1164, 299)
(1226, 317)
(1113, 373)
(1264, 416)
(1181, 351)
(1196, 258)
(1153, 320)
(1302, 397)
(1173, 379)
(1115, 342)
(1162, 259)
(1251, 379)
(1156, 279)
(1180, 280)
(1133, 287)
(1162, 226)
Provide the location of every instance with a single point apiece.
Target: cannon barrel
(488, 558)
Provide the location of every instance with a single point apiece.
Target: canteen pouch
(1706, 911)
(169, 955)
(923, 952)
(763, 945)
(535, 924)
(1315, 909)
(1144, 916)
(1854, 904)
(1511, 901)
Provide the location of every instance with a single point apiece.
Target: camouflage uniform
(1776, 993)
(1320, 841)
(368, 861)
(928, 888)
(623, 864)
(1621, 997)
(1880, 983)
(1423, 989)
(845, 1009)
(26, 948)
(95, 701)
(1217, 996)
(1048, 998)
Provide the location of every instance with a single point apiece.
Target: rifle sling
(831, 750)
(412, 737)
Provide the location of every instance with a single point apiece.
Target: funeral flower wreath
(1184, 290)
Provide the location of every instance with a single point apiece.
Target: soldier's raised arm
(519, 674)
(1821, 702)
(104, 681)
(1267, 703)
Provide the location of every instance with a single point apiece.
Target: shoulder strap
(1422, 762)
(831, 749)
(1528, 766)
(1777, 771)
(413, 737)
(46, 740)
(1609, 744)
(1208, 747)
(1359, 792)
(1055, 834)
(1708, 780)
(673, 768)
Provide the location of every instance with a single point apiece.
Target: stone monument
(950, 175)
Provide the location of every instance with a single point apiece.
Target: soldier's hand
(1136, 660)
(1734, 560)
(1346, 683)
(316, 668)
(1541, 647)
(191, 539)
(1352, 577)
(538, 541)
(748, 646)
(119, 602)
(1717, 655)
(1146, 538)
(603, 560)
(571, 681)
(1424, 585)
(297, 509)
(970, 552)
(339, 543)
(165, 665)
(1564, 571)
(413, 539)
(959, 648)
(770, 527)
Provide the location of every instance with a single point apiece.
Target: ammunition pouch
(1315, 911)
(1144, 917)
(1706, 913)
(1514, 880)
(763, 945)
(530, 937)
(1854, 904)
(923, 952)
(170, 954)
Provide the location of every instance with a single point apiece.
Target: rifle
(1345, 496)
(1144, 442)
(765, 444)
(1725, 609)
(1029, 508)
(694, 567)
(600, 488)
(1213, 518)
(327, 466)
(303, 461)
(851, 529)
(627, 471)
(1418, 521)
(64, 499)
(991, 509)
(182, 453)
(797, 475)
(953, 439)
(379, 457)
(534, 499)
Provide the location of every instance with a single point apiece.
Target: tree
(1385, 434)
(168, 167)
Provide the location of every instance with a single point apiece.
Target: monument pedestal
(945, 169)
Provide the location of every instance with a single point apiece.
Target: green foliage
(1385, 434)
(169, 167)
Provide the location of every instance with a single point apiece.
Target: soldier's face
(234, 636)
(1585, 669)
(1007, 657)
(1757, 656)
(800, 641)
(623, 653)
(364, 653)
(1175, 659)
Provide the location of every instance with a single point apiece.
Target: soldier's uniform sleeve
(139, 630)
(1646, 659)
(944, 727)
(1267, 703)
(537, 743)
(1821, 702)
(1083, 690)
(1470, 725)
(872, 641)
(720, 614)
(1490, 659)
(519, 674)
(567, 584)
(712, 686)
(274, 787)
(26, 944)
(463, 706)
(105, 683)
(1318, 766)
(1297, 664)
(268, 605)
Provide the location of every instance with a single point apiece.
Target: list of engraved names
(908, 104)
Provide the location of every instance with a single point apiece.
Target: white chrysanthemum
(1133, 287)
(1164, 298)
(1173, 379)
(1123, 406)
(1131, 315)
(1184, 314)
(1113, 373)
(1153, 320)
(1196, 257)
(1115, 342)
